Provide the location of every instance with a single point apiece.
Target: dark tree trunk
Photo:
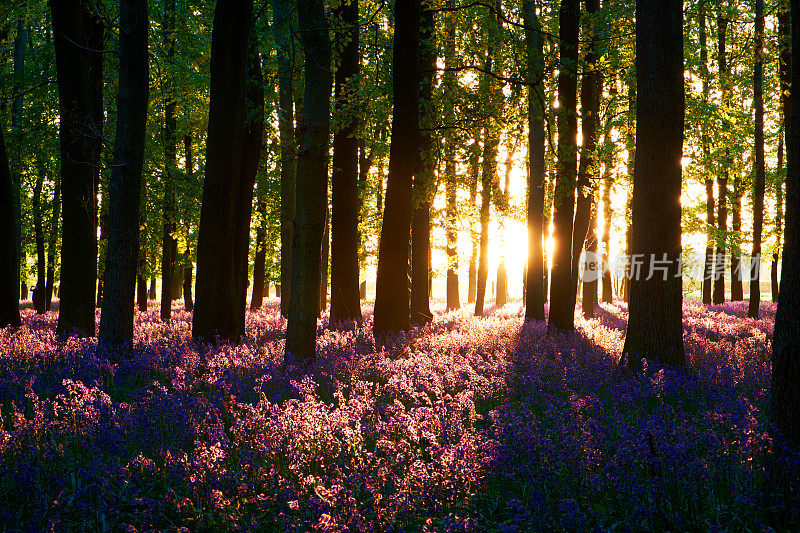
(450, 85)
(708, 260)
(785, 63)
(424, 179)
(76, 32)
(591, 274)
(324, 262)
(488, 172)
(39, 291)
(312, 190)
(778, 221)
(474, 166)
(584, 230)
(718, 296)
(260, 259)
(391, 291)
(219, 310)
(288, 148)
(562, 308)
(737, 290)
(20, 45)
(345, 303)
(785, 394)
(101, 265)
(188, 303)
(534, 275)
(151, 292)
(169, 245)
(52, 241)
(9, 271)
(608, 182)
(654, 325)
(124, 187)
(141, 293)
(759, 185)
(251, 158)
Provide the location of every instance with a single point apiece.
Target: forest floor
(466, 424)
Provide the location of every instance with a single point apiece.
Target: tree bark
(450, 85)
(608, 182)
(20, 45)
(785, 395)
(76, 32)
(52, 241)
(169, 245)
(562, 308)
(288, 147)
(488, 172)
(312, 186)
(188, 303)
(260, 260)
(718, 296)
(474, 170)
(759, 186)
(655, 320)
(345, 210)
(708, 260)
(39, 292)
(9, 265)
(219, 310)
(537, 178)
(124, 187)
(391, 291)
(424, 179)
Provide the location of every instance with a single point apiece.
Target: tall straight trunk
(151, 291)
(260, 259)
(562, 308)
(718, 296)
(591, 275)
(655, 321)
(345, 210)
(324, 263)
(52, 241)
(708, 260)
(312, 185)
(17, 105)
(608, 183)
(474, 170)
(784, 73)
(218, 307)
(784, 393)
(9, 289)
(488, 169)
(450, 85)
(101, 262)
(535, 289)
(391, 290)
(141, 293)
(39, 294)
(759, 186)
(169, 245)
(124, 187)
(288, 147)
(76, 32)
(584, 230)
(630, 144)
(424, 179)
(188, 303)
(737, 291)
(252, 140)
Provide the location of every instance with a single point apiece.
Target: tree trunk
(737, 291)
(778, 221)
(288, 147)
(391, 290)
(39, 291)
(345, 210)
(450, 85)
(534, 274)
(722, 179)
(424, 179)
(219, 310)
(608, 182)
(124, 187)
(20, 45)
(785, 395)
(654, 324)
(151, 292)
(9, 271)
(188, 303)
(52, 241)
(784, 72)
(169, 245)
(324, 262)
(562, 308)
(76, 32)
(759, 185)
(141, 293)
(591, 272)
(260, 260)
(488, 172)
(474, 166)
(101, 263)
(312, 190)
(708, 260)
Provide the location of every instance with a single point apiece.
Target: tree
(124, 187)
(708, 262)
(283, 45)
(391, 290)
(77, 34)
(9, 266)
(654, 325)
(562, 307)
(169, 245)
(424, 186)
(450, 85)
(718, 296)
(312, 185)
(784, 393)
(345, 301)
(534, 284)
(218, 306)
(760, 172)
